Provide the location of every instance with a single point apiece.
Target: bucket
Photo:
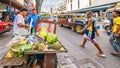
(98, 27)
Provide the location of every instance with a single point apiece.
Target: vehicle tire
(61, 25)
(78, 28)
(107, 28)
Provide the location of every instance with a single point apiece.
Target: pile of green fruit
(38, 46)
(51, 39)
(16, 49)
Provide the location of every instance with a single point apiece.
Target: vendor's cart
(50, 57)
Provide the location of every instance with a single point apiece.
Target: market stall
(39, 49)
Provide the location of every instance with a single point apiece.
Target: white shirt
(69, 20)
(18, 19)
(16, 29)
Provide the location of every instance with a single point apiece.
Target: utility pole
(90, 3)
(38, 6)
(10, 7)
(71, 4)
(78, 4)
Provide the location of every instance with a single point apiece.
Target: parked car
(5, 27)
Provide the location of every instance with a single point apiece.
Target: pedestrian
(69, 20)
(19, 23)
(90, 31)
(7, 18)
(115, 35)
(35, 17)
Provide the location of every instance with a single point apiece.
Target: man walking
(115, 36)
(90, 34)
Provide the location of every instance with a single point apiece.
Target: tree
(90, 3)
(38, 5)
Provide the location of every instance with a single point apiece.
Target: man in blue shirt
(33, 16)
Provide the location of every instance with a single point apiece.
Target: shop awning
(116, 7)
(94, 8)
(14, 3)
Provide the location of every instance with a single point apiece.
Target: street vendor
(19, 22)
(33, 16)
(115, 36)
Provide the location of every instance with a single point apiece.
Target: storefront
(13, 3)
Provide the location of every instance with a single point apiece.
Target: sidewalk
(66, 61)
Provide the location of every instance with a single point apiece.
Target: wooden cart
(50, 57)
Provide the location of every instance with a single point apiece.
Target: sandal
(101, 55)
(115, 54)
(82, 46)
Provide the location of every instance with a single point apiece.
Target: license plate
(7, 26)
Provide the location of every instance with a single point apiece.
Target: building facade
(79, 4)
(3, 7)
(101, 2)
(21, 2)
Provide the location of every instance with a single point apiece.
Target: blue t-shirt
(35, 17)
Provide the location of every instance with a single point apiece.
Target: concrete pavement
(72, 41)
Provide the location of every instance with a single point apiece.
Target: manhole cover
(87, 63)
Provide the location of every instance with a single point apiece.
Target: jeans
(115, 42)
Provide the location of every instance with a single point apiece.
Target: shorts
(93, 40)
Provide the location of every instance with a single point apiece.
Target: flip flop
(101, 55)
(115, 54)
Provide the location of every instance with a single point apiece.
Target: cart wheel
(61, 25)
(78, 28)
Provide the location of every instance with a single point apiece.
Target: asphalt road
(71, 41)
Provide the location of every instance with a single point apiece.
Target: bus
(74, 21)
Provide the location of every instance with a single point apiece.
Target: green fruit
(49, 46)
(56, 46)
(35, 45)
(27, 47)
(16, 48)
(43, 34)
(41, 47)
(51, 38)
(20, 56)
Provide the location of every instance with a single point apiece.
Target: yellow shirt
(90, 28)
(116, 22)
